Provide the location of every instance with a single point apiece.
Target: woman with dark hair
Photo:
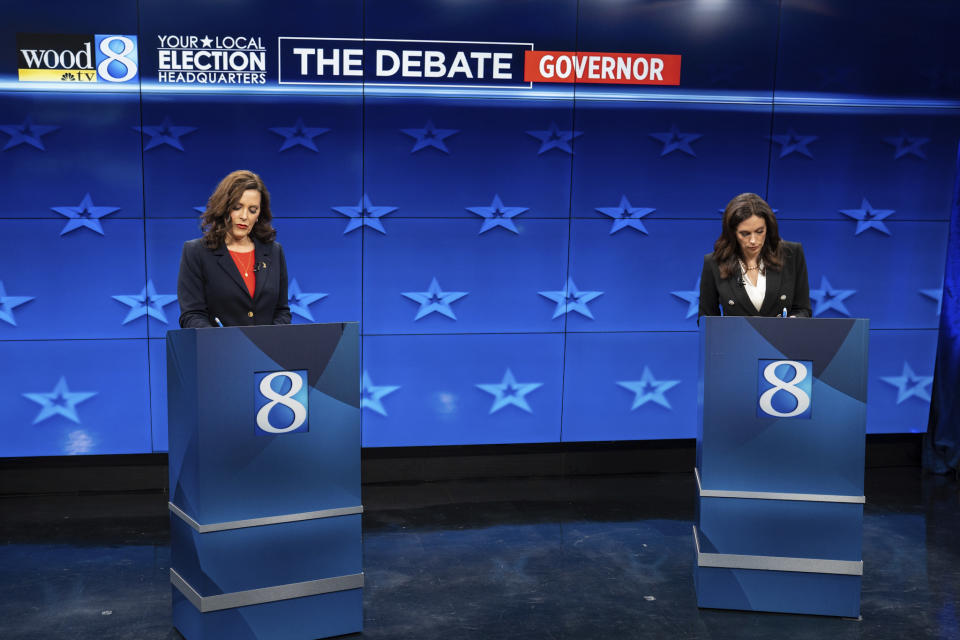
(752, 272)
(236, 273)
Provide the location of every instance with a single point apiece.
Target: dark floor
(553, 558)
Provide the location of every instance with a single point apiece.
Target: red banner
(601, 68)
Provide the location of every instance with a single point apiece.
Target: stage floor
(547, 558)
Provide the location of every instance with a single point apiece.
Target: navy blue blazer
(210, 286)
(786, 288)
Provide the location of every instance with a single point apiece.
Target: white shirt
(755, 292)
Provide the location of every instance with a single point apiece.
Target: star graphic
(571, 299)
(692, 297)
(907, 145)
(207, 41)
(60, 401)
(146, 303)
(164, 133)
(554, 138)
(508, 391)
(829, 298)
(792, 141)
(26, 133)
(909, 384)
(9, 303)
(648, 389)
(868, 218)
(300, 302)
(364, 214)
(933, 294)
(497, 215)
(371, 395)
(84, 215)
(435, 299)
(299, 134)
(674, 140)
(625, 215)
(429, 136)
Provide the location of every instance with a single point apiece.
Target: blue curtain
(941, 451)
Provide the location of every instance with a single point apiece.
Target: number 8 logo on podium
(784, 389)
(281, 402)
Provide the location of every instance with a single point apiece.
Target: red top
(244, 262)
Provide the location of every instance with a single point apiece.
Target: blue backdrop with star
(524, 260)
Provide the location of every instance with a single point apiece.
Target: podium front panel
(780, 451)
(265, 481)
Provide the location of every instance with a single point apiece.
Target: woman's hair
(215, 221)
(726, 250)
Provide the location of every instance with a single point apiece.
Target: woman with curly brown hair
(752, 272)
(235, 274)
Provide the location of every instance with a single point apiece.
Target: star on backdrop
(868, 218)
(674, 140)
(429, 136)
(146, 303)
(371, 395)
(497, 215)
(909, 384)
(933, 294)
(791, 142)
(626, 215)
(26, 133)
(84, 215)
(907, 145)
(61, 401)
(300, 302)
(164, 133)
(299, 134)
(571, 299)
(692, 297)
(435, 299)
(829, 298)
(364, 214)
(200, 209)
(554, 138)
(9, 303)
(510, 392)
(648, 389)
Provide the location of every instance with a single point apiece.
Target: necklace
(758, 267)
(246, 267)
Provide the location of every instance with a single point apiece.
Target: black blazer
(210, 286)
(787, 287)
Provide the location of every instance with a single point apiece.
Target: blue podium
(780, 455)
(265, 509)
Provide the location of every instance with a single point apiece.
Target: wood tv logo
(44, 57)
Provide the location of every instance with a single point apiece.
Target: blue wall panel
(67, 148)
(74, 284)
(650, 394)
(500, 274)
(425, 390)
(685, 160)
(901, 370)
(72, 397)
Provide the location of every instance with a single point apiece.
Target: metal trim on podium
(780, 458)
(265, 509)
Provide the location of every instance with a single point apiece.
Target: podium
(780, 456)
(265, 509)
